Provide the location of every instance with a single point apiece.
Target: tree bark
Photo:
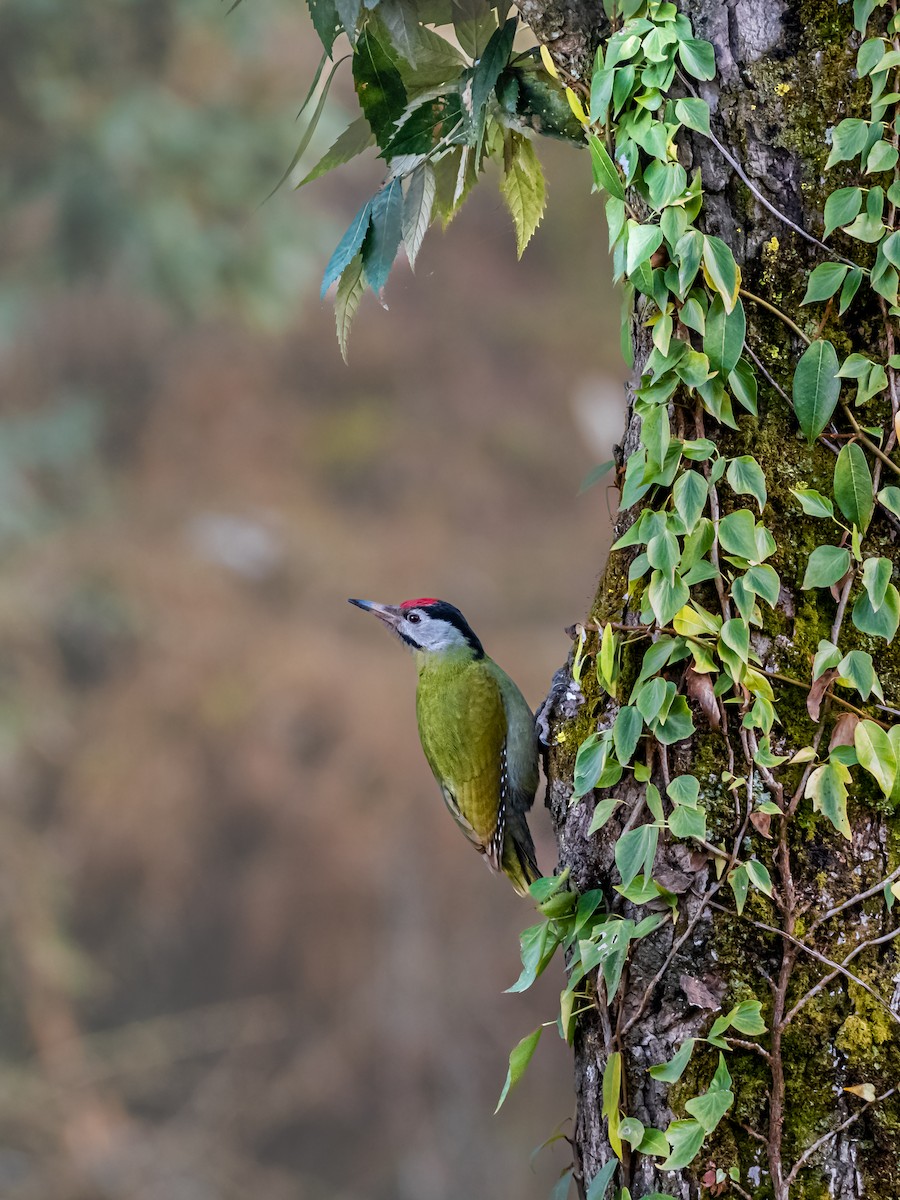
(785, 74)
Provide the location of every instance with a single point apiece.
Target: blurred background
(243, 950)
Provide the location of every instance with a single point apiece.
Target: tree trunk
(785, 74)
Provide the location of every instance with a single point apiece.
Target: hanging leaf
(605, 174)
(346, 301)
(612, 1090)
(746, 477)
(325, 20)
(601, 1181)
(353, 141)
(672, 1071)
(685, 1138)
(876, 754)
(490, 66)
(842, 207)
(418, 205)
(523, 188)
(816, 388)
(519, 1059)
(385, 232)
(719, 264)
(378, 82)
(824, 281)
(827, 788)
(724, 337)
(882, 623)
(710, 1108)
(347, 247)
(826, 565)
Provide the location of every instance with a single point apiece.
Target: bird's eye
(414, 618)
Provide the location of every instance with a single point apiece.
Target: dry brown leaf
(700, 688)
(761, 822)
(842, 734)
(818, 690)
(698, 994)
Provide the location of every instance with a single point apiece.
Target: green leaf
(491, 65)
(842, 207)
(430, 125)
(631, 1130)
(626, 733)
(348, 247)
(689, 496)
(827, 788)
(848, 139)
(882, 157)
(523, 188)
(602, 813)
(698, 58)
(684, 789)
(685, 1138)
(353, 141)
(563, 1186)
(383, 239)
(890, 498)
(377, 81)
(654, 1142)
(589, 763)
(869, 56)
(724, 337)
(737, 534)
(634, 850)
(678, 724)
(746, 477)
(672, 1071)
(763, 581)
(667, 595)
(876, 577)
(813, 503)
(694, 114)
(606, 176)
(519, 1059)
(601, 1181)
(876, 754)
(643, 242)
(816, 388)
(722, 269)
(710, 1108)
(882, 623)
(759, 877)
(325, 20)
(824, 281)
(739, 882)
(827, 564)
(612, 1090)
(746, 1017)
(346, 301)
(853, 488)
(742, 382)
(687, 822)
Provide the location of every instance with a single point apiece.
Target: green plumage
(478, 735)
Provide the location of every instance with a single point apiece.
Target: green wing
(462, 726)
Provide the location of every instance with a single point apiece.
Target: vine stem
(826, 1137)
(782, 316)
(867, 441)
(858, 899)
(825, 980)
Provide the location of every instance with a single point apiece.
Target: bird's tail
(519, 863)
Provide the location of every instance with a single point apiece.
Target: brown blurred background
(244, 951)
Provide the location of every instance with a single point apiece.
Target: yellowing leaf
(577, 107)
(523, 188)
(548, 62)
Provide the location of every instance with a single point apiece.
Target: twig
(867, 441)
(839, 970)
(826, 1137)
(778, 313)
(872, 891)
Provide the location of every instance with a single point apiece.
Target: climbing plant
(695, 739)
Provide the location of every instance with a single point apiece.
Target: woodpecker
(477, 732)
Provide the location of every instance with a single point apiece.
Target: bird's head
(428, 625)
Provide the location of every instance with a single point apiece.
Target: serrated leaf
(816, 388)
(383, 239)
(417, 208)
(346, 301)
(853, 488)
(519, 1058)
(325, 20)
(491, 64)
(353, 141)
(378, 83)
(523, 188)
(348, 247)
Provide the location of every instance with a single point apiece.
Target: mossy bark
(785, 75)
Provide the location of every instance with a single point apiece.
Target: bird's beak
(389, 613)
